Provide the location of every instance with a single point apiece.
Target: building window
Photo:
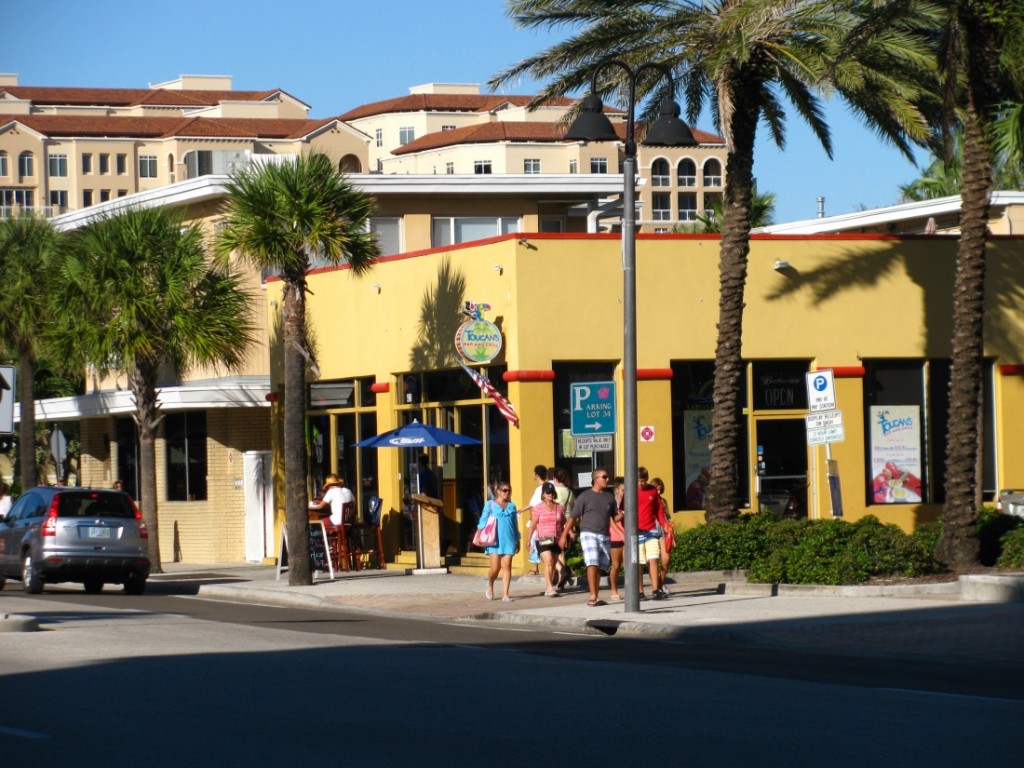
(574, 166)
(481, 166)
(378, 137)
(26, 165)
(121, 164)
(3, 163)
(59, 198)
(380, 165)
(389, 233)
(712, 173)
(599, 165)
(661, 205)
(451, 230)
(87, 163)
(104, 195)
(147, 166)
(58, 165)
(185, 438)
(449, 168)
(687, 206)
(531, 165)
(447, 127)
(86, 198)
(104, 163)
(660, 176)
(122, 192)
(22, 198)
(686, 173)
(406, 135)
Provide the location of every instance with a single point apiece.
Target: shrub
(1012, 555)
(992, 527)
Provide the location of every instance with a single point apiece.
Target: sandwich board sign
(7, 394)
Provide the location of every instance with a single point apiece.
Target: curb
(14, 622)
(984, 588)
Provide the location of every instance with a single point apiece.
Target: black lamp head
(669, 130)
(592, 124)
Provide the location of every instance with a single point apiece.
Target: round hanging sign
(478, 340)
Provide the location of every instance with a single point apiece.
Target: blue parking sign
(592, 404)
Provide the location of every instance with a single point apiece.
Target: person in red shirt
(650, 522)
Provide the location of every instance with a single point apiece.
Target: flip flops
(595, 603)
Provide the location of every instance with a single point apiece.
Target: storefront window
(342, 413)
(780, 385)
(578, 464)
(693, 384)
(185, 437)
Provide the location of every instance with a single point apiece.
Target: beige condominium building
(453, 129)
(65, 149)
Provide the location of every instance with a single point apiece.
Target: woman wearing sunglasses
(501, 552)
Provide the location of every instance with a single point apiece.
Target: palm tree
(982, 50)
(145, 301)
(280, 216)
(29, 254)
(744, 58)
(943, 176)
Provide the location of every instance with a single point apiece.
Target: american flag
(504, 406)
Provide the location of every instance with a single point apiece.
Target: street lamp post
(668, 130)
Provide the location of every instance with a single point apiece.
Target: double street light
(668, 131)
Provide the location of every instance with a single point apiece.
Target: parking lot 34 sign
(593, 408)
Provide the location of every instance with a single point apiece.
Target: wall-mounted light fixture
(499, 268)
(376, 287)
(781, 265)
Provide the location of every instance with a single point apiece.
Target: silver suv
(74, 534)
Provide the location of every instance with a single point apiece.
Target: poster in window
(697, 439)
(896, 454)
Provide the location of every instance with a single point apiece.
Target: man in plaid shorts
(593, 510)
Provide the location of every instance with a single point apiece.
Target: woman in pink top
(548, 518)
(618, 539)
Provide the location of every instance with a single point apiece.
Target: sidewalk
(929, 622)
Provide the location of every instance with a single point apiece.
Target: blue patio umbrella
(416, 435)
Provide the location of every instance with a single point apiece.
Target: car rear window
(93, 504)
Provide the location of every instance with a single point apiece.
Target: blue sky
(337, 54)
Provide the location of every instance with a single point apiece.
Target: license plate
(97, 532)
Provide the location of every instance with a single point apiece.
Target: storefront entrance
(781, 456)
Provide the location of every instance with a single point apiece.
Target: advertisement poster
(697, 439)
(896, 454)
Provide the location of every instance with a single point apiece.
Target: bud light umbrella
(416, 435)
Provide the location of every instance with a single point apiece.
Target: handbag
(488, 535)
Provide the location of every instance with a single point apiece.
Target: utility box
(1012, 502)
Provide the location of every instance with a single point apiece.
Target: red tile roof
(130, 97)
(166, 127)
(445, 102)
(512, 131)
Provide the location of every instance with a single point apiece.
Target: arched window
(687, 173)
(26, 164)
(660, 173)
(712, 173)
(350, 164)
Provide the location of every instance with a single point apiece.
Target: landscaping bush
(992, 528)
(805, 552)
(1012, 555)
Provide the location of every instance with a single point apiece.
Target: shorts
(596, 549)
(650, 547)
(618, 544)
(549, 545)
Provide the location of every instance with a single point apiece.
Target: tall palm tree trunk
(296, 497)
(722, 500)
(958, 545)
(142, 382)
(27, 425)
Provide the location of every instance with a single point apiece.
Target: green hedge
(803, 551)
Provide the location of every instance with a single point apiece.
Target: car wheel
(93, 586)
(135, 586)
(30, 578)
